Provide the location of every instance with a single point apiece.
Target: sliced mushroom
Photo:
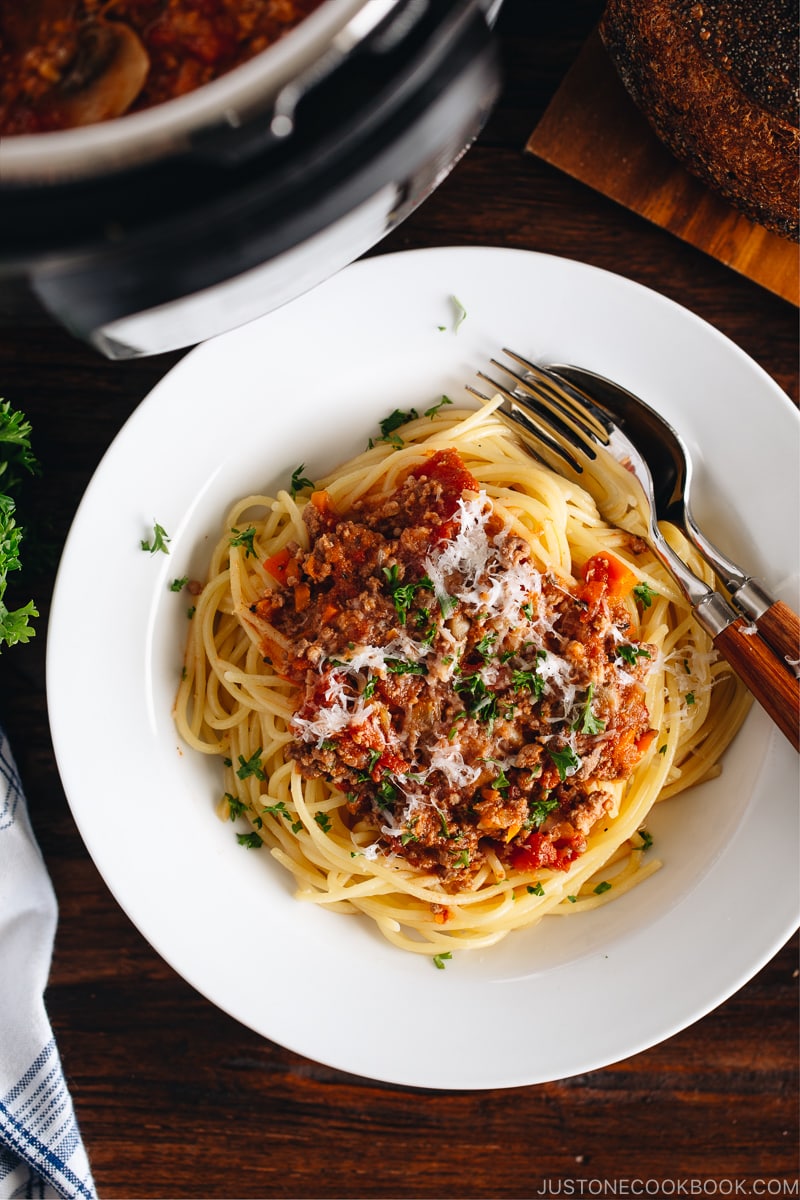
(105, 76)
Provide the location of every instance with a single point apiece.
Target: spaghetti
(446, 693)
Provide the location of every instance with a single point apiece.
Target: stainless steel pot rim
(141, 137)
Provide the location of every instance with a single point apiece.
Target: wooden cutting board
(593, 131)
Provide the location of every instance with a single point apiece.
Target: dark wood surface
(175, 1098)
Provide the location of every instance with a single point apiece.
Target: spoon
(671, 469)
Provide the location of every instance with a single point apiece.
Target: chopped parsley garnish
(447, 604)
(629, 653)
(566, 761)
(403, 593)
(324, 821)
(366, 775)
(484, 646)
(178, 585)
(536, 889)
(431, 412)
(244, 537)
(690, 697)
(463, 859)
(387, 793)
(481, 702)
(250, 840)
(572, 899)
(159, 542)
(644, 594)
(647, 839)
(399, 666)
(461, 313)
(369, 687)
(528, 680)
(454, 728)
(251, 766)
(191, 611)
(278, 810)
(389, 426)
(587, 722)
(605, 886)
(396, 419)
(538, 810)
(235, 807)
(502, 781)
(299, 481)
(440, 959)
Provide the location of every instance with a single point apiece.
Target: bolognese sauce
(73, 62)
(471, 707)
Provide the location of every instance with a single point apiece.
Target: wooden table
(174, 1097)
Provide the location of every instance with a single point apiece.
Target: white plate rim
(716, 935)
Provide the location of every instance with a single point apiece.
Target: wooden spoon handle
(780, 628)
(775, 688)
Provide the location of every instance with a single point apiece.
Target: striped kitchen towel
(41, 1152)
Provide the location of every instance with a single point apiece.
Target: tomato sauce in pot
(66, 63)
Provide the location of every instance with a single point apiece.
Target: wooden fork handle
(776, 689)
(779, 626)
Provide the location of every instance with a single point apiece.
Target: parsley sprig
(299, 481)
(587, 722)
(389, 426)
(435, 408)
(16, 457)
(244, 537)
(566, 761)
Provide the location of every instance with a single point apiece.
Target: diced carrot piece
(277, 564)
(302, 596)
(604, 568)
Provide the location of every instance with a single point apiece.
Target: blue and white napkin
(41, 1151)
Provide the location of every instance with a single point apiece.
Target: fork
(671, 468)
(579, 441)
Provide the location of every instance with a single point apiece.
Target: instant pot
(159, 229)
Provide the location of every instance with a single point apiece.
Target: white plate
(308, 384)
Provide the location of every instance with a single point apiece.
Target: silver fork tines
(571, 435)
(567, 432)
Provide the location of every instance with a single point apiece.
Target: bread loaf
(718, 81)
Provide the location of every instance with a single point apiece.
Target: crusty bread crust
(718, 81)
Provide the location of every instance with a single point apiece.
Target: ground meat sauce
(468, 705)
(53, 52)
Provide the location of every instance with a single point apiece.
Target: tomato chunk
(541, 851)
